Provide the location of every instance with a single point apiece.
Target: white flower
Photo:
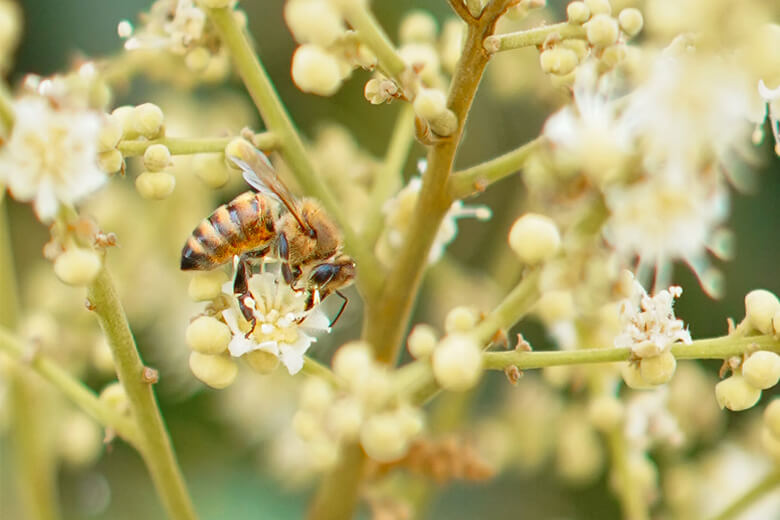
(284, 328)
(772, 98)
(649, 421)
(649, 326)
(51, 155)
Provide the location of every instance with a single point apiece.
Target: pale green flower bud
(614, 54)
(237, 147)
(77, 266)
(771, 444)
(208, 335)
(632, 376)
(555, 306)
(658, 370)
(602, 30)
(460, 319)
(762, 369)
(324, 454)
(306, 425)
(772, 417)
(110, 134)
(124, 117)
(157, 157)
(534, 238)
(631, 21)
(598, 7)
(80, 440)
(197, 60)
(155, 185)
(577, 12)
(261, 361)
(345, 418)
(457, 362)
(606, 412)
(430, 103)
(212, 169)
(313, 21)
(760, 307)
(411, 419)
(316, 395)
(558, 60)
(422, 340)
(114, 396)
(352, 361)
(736, 394)
(216, 371)
(110, 161)
(383, 439)
(102, 358)
(417, 26)
(316, 71)
(207, 285)
(424, 57)
(148, 120)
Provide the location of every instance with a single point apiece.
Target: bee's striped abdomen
(244, 224)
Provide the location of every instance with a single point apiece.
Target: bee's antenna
(341, 311)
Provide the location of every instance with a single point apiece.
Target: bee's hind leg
(241, 290)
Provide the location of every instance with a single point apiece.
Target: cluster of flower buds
(328, 52)
(363, 410)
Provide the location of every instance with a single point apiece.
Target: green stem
(290, 144)
(764, 486)
(476, 179)
(389, 178)
(156, 445)
(514, 306)
(338, 493)
(533, 37)
(634, 507)
(71, 387)
(185, 146)
(317, 369)
(715, 348)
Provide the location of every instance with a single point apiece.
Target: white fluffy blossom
(284, 328)
(649, 421)
(51, 155)
(649, 326)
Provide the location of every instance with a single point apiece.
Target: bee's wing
(260, 174)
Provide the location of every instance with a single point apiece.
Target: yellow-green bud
(238, 148)
(212, 169)
(261, 361)
(430, 103)
(206, 285)
(345, 417)
(772, 417)
(558, 60)
(313, 21)
(77, 266)
(114, 396)
(110, 161)
(598, 6)
(555, 306)
(577, 12)
(614, 55)
(771, 444)
(306, 425)
(110, 134)
(632, 376)
(102, 358)
(457, 362)
(460, 319)
(80, 440)
(762, 369)
(214, 4)
(411, 420)
(157, 157)
(208, 335)
(216, 371)
(323, 453)
(353, 360)
(316, 395)
(124, 117)
(736, 394)
(606, 413)
(658, 370)
(424, 57)
(631, 21)
(197, 60)
(382, 438)
(148, 120)
(316, 71)
(417, 26)
(534, 238)
(422, 340)
(760, 307)
(602, 30)
(776, 324)
(155, 185)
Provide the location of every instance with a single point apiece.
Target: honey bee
(271, 223)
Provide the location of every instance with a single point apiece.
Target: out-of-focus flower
(284, 328)
(51, 155)
(772, 99)
(649, 421)
(10, 29)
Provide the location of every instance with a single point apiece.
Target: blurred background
(223, 439)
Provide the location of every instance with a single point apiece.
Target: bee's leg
(241, 290)
(341, 310)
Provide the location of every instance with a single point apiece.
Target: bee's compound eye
(322, 274)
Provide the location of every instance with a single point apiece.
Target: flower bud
(261, 361)
(577, 12)
(430, 103)
(110, 161)
(411, 419)
(155, 185)
(148, 120)
(316, 395)
(377, 91)
(614, 55)
(197, 60)
(214, 4)
(124, 117)
(558, 60)
(216, 371)
(632, 377)
(208, 335)
(114, 396)
(457, 362)
(206, 285)
(602, 30)
(313, 21)
(102, 358)
(353, 360)
(417, 26)
(772, 417)
(606, 413)
(631, 21)
(382, 438)
(422, 57)
(762, 369)
(598, 7)
(212, 169)
(555, 306)
(345, 417)
(80, 440)
(157, 157)
(422, 340)
(315, 71)
(460, 319)
(658, 370)
(306, 425)
(534, 238)
(110, 134)
(323, 453)
(776, 324)
(736, 394)
(77, 266)
(760, 307)
(771, 444)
